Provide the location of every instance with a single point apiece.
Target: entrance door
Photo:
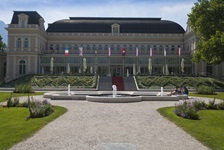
(117, 71)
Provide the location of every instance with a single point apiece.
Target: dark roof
(34, 17)
(103, 25)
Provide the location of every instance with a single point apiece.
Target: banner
(66, 52)
(151, 53)
(137, 51)
(109, 51)
(123, 51)
(80, 51)
(164, 52)
(179, 49)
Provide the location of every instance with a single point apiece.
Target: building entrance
(117, 71)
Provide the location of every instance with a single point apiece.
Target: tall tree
(2, 45)
(207, 20)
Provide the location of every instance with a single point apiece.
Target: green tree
(207, 20)
(2, 45)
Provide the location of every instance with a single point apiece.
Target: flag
(109, 51)
(66, 52)
(179, 51)
(164, 52)
(80, 51)
(123, 51)
(137, 51)
(151, 53)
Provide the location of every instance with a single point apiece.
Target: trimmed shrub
(23, 88)
(205, 90)
(12, 102)
(220, 105)
(212, 105)
(199, 105)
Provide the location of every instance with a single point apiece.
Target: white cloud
(51, 12)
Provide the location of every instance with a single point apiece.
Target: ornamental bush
(38, 108)
(23, 88)
(186, 110)
(208, 90)
(12, 102)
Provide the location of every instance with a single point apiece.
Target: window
(172, 49)
(76, 47)
(94, 47)
(161, 49)
(115, 28)
(26, 43)
(23, 20)
(4, 69)
(100, 47)
(19, 43)
(155, 49)
(22, 67)
(142, 50)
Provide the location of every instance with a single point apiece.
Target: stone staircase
(105, 83)
(129, 84)
(118, 81)
(122, 83)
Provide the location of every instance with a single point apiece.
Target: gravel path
(110, 126)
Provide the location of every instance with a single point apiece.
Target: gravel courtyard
(110, 126)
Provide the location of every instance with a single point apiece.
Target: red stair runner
(118, 81)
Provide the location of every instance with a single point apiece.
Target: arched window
(161, 49)
(118, 49)
(172, 49)
(76, 47)
(88, 49)
(94, 47)
(4, 69)
(19, 43)
(57, 47)
(26, 43)
(155, 49)
(142, 50)
(22, 67)
(105, 50)
(100, 48)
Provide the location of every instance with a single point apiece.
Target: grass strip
(208, 130)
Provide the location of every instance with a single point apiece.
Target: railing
(118, 34)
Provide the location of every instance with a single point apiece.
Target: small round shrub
(205, 90)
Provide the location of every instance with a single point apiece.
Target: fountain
(69, 91)
(114, 87)
(161, 94)
(113, 96)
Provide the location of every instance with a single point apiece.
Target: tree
(2, 45)
(207, 20)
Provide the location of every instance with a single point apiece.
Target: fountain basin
(107, 96)
(111, 99)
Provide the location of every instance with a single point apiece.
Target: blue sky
(53, 10)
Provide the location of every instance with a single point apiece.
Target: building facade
(109, 47)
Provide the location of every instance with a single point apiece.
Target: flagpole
(165, 61)
(179, 60)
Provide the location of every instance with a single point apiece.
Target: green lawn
(15, 126)
(5, 95)
(208, 130)
(218, 95)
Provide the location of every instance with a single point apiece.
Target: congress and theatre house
(110, 47)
